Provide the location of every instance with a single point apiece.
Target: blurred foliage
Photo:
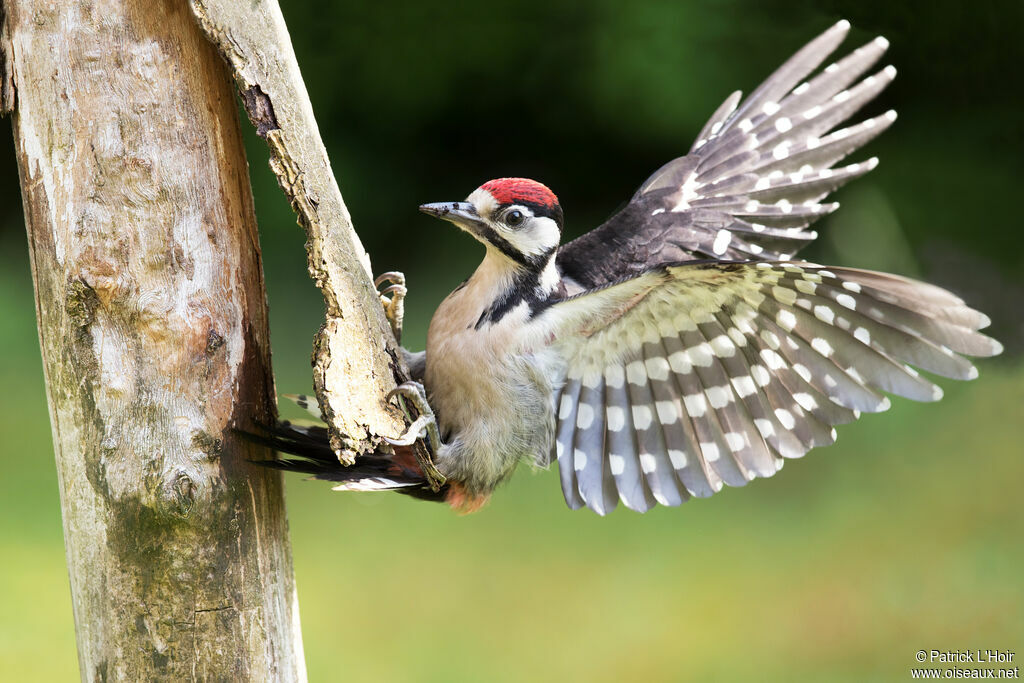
(905, 535)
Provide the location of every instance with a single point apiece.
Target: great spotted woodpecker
(677, 347)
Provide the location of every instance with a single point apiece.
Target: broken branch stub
(355, 363)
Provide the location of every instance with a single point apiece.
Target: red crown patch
(520, 191)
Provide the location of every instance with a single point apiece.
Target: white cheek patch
(537, 235)
(544, 231)
(518, 241)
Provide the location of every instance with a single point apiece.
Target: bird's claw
(423, 427)
(426, 421)
(413, 391)
(394, 276)
(394, 305)
(416, 430)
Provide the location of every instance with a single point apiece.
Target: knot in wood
(178, 493)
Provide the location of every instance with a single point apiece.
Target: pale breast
(491, 392)
(470, 370)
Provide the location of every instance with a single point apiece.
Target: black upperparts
(630, 242)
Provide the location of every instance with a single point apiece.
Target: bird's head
(516, 217)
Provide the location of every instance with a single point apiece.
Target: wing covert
(692, 376)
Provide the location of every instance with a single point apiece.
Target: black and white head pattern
(523, 216)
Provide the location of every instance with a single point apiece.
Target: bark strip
(354, 359)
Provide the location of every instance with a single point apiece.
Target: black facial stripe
(492, 237)
(525, 287)
(534, 263)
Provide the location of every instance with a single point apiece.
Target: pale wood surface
(153, 328)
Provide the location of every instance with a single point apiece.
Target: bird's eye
(514, 219)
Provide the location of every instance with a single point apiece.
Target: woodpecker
(679, 346)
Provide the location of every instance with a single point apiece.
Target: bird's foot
(425, 424)
(394, 306)
(423, 427)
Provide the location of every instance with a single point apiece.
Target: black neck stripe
(503, 245)
(534, 263)
(525, 287)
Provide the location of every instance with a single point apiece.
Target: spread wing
(754, 179)
(695, 375)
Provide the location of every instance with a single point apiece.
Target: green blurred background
(905, 535)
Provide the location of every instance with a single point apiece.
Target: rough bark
(153, 327)
(354, 358)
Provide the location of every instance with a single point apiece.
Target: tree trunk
(153, 327)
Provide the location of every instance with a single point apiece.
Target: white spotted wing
(692, 376)
(755, 178)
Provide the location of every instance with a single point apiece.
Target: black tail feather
(307, 450)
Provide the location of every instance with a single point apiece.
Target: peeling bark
(153, 328)
(354, 359)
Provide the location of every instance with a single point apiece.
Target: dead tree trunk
(153, 327)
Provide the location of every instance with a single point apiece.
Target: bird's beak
(462, 214)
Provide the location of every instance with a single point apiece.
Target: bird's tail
(307, 449)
